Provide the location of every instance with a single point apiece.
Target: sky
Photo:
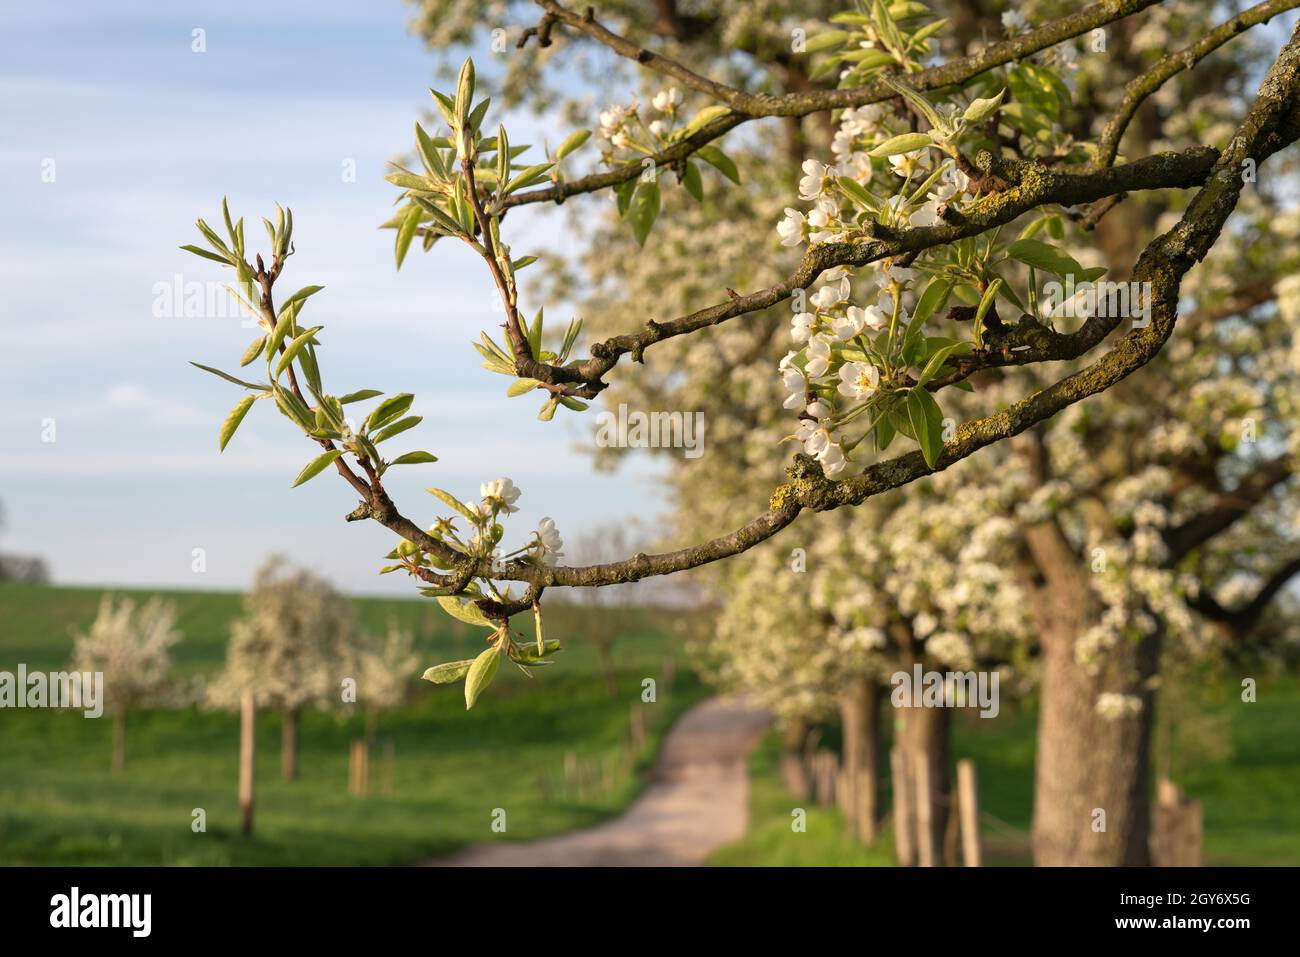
(119, 134)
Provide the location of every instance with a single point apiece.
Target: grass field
(1249, 790)
(60, 805)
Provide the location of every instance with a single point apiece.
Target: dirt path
(698, 800)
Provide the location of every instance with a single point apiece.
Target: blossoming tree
(131, 646)
(946, 206)
(292, 647)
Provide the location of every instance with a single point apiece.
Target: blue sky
(144, 136)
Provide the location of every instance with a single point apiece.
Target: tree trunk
(794, 766)
(247, 750)
(1093, 771)
(860, 720)
(289, 745)
(923, 739)
(605, 650)
(119, 741)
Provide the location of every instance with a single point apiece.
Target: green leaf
(359, 396)
(296, 346)
(521, 386)
(692, 181)
(259, 386)
(206, 254)
(643, 211)
(548, 410)
(445, 674)
(572, 142)
(902, 143)
(986, 303)
(303, 293)
(464, 90)
(981, 109)
(528, 654)
(827, 41)
(465, 611)
(406, 232)
(885, 432)
(316, 466)
(938, 359)
(253, 351)
(234, 418)
(719, 161)
(932, 300)
(428, 152)
(858, 193)
(449, 499)
(398, 427)
(534, 174)
(1044, 256)
(388, 410)
(414, 458)
(480, 675)
(623, 194)
(702, 119)
(927, 423)
(294, 409)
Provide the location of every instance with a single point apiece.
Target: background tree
(290, 648)
(131, 646)
(617, 604)
(386, 668)
(900, 223)
(22, 568)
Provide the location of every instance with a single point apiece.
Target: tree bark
(247, 751)
(119, 741)
(794, 766)
(289, 745)
(923, 735)
(605, 651)
(860, 721)
(1093, 771)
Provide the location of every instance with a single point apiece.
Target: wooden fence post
(570, 774)
(926, 852)
(1177, 832)
(247, 749)
(972, 850)
(389, 761)
(359, 767)
(637, 723)
(904, 802)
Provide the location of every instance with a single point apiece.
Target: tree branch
(1239, 621)
(749, 106)
(1137, 91)
(1229, 507)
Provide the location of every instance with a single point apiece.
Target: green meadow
(451, 770)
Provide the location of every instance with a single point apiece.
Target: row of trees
(949, 177)
(1117, 542)
(296, 646)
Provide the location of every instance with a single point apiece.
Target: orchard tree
(290, 648)
(131, 646)
(1106, 775)
(385, 669)
(925, 577)
(952, 181)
